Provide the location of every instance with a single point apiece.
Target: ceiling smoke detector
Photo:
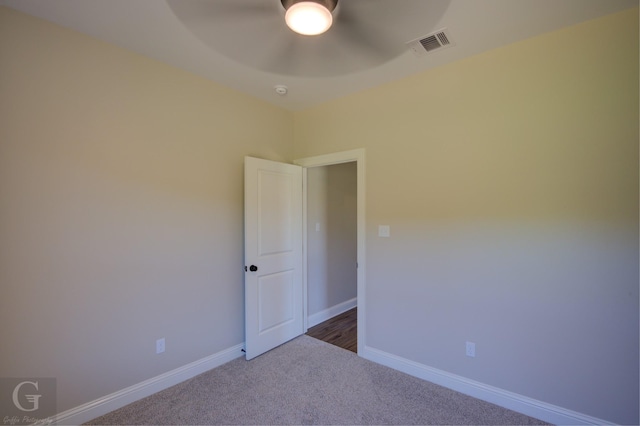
(281, 89)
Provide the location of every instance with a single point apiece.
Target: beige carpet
(307, 381)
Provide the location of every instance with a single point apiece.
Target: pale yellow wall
(510, 183)
(121, 210)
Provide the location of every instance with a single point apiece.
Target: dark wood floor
(341, 330)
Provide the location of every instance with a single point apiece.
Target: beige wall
(121, 210)
(510, 182)
(331, 247)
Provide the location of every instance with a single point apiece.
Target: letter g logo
(34, 399)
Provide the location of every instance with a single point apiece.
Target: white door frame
(357, 156)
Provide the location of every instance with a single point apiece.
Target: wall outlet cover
(471, 349)
(160, 346)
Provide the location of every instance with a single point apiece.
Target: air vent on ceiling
(430, 43)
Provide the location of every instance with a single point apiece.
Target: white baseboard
(510, 400)
(119, 399)
(331, 312)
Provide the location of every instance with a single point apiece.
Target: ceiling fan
(356, 34)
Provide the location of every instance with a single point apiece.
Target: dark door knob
(253, 268)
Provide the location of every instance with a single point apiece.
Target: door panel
(275, 218)
(275, 294)
(273, 245)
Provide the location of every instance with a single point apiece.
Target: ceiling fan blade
(282, 55)
(367, 40)
(376, 31)
(216, 11)
(230, 27)
(243, 6)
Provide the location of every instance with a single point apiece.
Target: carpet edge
(503, 398)
(101, 406)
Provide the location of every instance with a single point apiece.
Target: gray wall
(332, 205)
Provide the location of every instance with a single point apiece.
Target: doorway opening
(334, 241)
(332, 225)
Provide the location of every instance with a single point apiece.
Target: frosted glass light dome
(308, 18)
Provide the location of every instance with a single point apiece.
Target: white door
(273, 254)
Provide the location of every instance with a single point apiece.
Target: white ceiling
(171, 32)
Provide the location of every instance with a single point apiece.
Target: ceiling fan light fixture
(308, 17)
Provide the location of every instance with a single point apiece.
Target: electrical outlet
(384, 231)
(160, 346)
(471, 349)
